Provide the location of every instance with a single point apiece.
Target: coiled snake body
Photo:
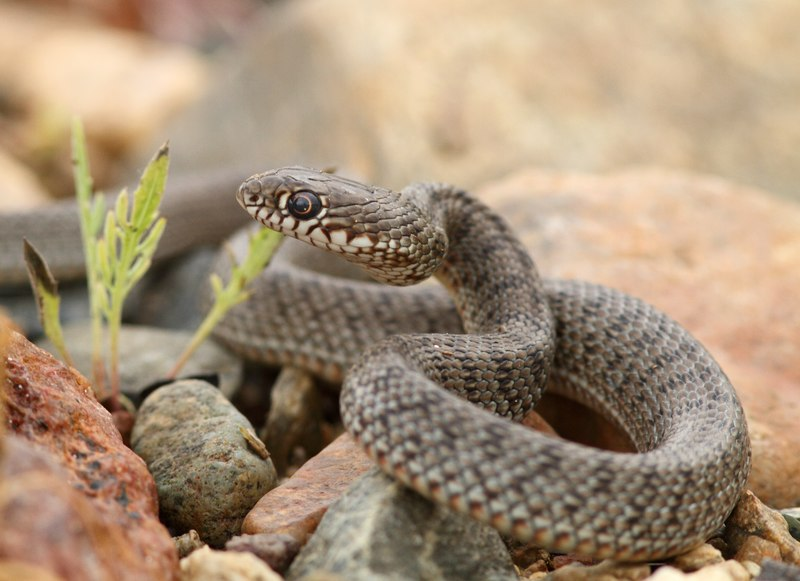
(598, 346)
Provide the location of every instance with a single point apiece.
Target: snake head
(383, 231)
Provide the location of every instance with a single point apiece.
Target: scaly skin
(613, 352)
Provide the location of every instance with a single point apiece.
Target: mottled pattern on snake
(601, 347)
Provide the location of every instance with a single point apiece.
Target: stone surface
(150, 353)
(379, 529)
(52, 405)
(187, 543)
(275, 550)
(208, 476)
(607, 570)
(702, 556)
(297, 505)
(700, 86)
(756, 550)
(54, 526)
(207, 565)
(750, 519)
(775, 571)
(13, 570)
(294, 417)
(725, 571)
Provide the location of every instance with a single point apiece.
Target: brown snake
(603, 348)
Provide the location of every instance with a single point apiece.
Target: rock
(756, 550)
(751, 518)
(150, 353)
(379, 529)
(296, 506)
(529, 558)
(208, 476)
(12, 570)
(275, 550)
(606, 570)
(696, 559)
(188, 543)
(57, 527)
(53, 406)
(775, 571)
(725, 571)
(207, 565)
(522, 83)
(294, 417)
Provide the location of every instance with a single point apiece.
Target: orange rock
(296, 506)
(52, 406)
(55, 526)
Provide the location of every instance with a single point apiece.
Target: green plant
(48, 301)
(91, 208)
(263, 244)
(124, 252)
(119, 245)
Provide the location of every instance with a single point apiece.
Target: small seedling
(262, 246)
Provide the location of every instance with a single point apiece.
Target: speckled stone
(379, 529)
(208, 475)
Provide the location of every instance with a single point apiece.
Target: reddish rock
(52, 405)
(295, 507)
(55, 526)
(752, 520)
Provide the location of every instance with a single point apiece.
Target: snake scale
(610, 351)
(510, 334)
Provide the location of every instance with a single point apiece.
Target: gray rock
(294, 417)
(276, 550)
(207, 473)
(381, 530)
(775, 571)
(148, 354)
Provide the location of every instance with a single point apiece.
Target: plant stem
(89, 229)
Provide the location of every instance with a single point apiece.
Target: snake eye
(304, 205)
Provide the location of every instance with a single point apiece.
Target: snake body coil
(598, 346)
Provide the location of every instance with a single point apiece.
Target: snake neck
(492, 279)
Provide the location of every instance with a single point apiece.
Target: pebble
(50, 524)
(751, 519)
(702, 556)
(294, 419)
(296, 506)
(276, 550)
(150, 353)
(776, 571)
(208, 565)
(725, 571)
(208, 475)
(380, 530)
(53, 406)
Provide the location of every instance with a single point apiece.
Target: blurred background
(400, 90)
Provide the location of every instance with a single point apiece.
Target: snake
(437, 377)
(440, 411)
